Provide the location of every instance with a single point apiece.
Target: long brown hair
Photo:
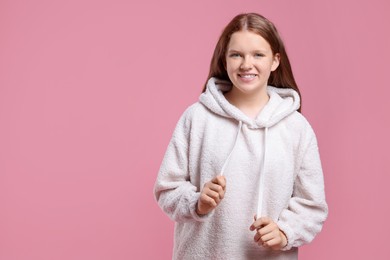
(282, 77)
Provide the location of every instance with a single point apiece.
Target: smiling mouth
(247, 76)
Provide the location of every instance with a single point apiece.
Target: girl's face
(249, 62)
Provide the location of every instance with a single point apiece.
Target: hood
(282, 102)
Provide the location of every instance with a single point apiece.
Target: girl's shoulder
(298, 123)
(192, 109)
(192, 113)
(195, 111)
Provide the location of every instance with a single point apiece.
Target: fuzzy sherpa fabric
(274, 166)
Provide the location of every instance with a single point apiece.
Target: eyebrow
(232, 50)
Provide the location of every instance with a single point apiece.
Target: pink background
(90, 92)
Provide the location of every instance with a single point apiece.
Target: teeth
(248, 76)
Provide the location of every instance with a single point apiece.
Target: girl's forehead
(248, 40)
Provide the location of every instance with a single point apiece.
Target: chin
(248, 88)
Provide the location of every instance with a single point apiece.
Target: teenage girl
(242, 176)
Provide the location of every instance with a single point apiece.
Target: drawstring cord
(262, 177)
(231, 152)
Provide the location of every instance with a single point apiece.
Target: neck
(249, 103)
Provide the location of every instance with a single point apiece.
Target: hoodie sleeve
(307, 208)
(173, 190)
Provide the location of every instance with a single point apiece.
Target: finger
(270, 228)
(214, 195)
(267, 237)
(217, 188)
(258, 223)
(265, 220)
(257, 237)
(261, 243)
(273, 243)
(207, 200)
(220, 180)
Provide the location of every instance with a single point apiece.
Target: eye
(233, 55)
(259, 55)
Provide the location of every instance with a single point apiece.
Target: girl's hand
(268, 234)
(211, 195)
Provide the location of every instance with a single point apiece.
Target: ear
(275, 62)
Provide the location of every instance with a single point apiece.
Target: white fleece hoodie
(272, 168)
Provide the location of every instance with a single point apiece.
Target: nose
(246, 64)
